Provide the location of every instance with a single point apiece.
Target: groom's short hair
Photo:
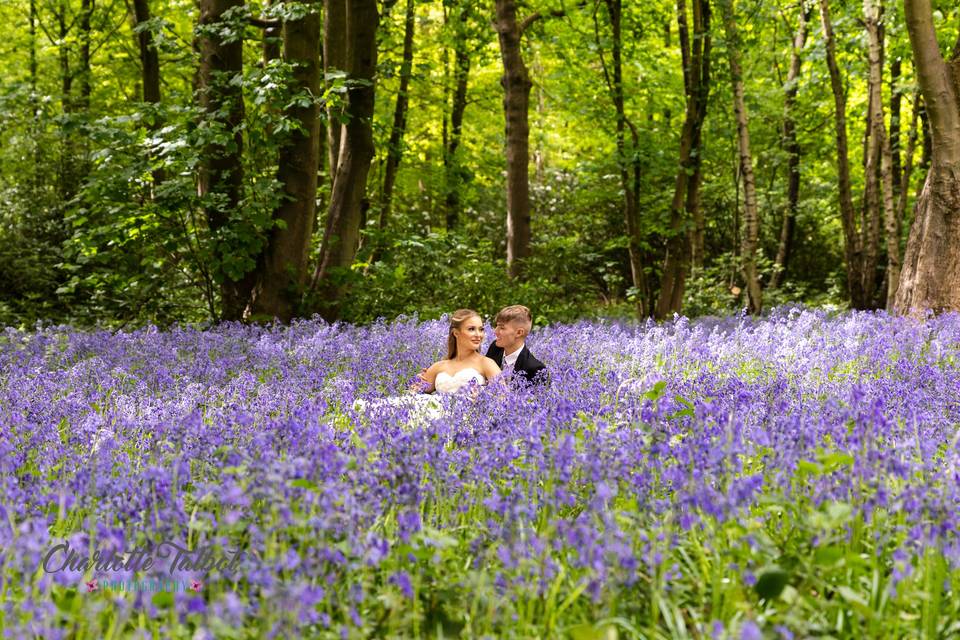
(516, 313)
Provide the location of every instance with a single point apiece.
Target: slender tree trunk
(751, 215)
(930, 279)
(895, 101)
(149, 68)
(334, 58)
(792, 147)
(272, 39)
(356, 152)
(880, 150)
(149, 58)
(852, 245)
(891, 226)
(451, 164)
(66, 178)
(283, 265)
(220, 180)
(907, 171)
(700, 55)
(516, 103)
(86, 12)
(539, 152)
(873, 157)
(394, 146)
(627, 159)
(34, 101)
(696, 73)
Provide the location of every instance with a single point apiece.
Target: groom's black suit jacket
(527, 365)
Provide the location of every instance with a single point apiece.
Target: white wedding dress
(446, 383)
(420, 408)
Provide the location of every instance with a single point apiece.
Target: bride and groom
(464, 365)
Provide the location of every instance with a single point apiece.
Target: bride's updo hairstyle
(456, 321)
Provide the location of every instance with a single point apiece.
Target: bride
(464, 364)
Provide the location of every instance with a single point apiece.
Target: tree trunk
(66, 171)
(852, 244)
(149, 58)
(220, 180)
(272, 39)
(930, 279)
(283, 265)
(356, 152)
(452, 171)
(516, 102)
(86, 13)
(792, 147)
(394, 146)
(696, 74)
(873, 155)
(334, 58)
(880, 149)
(751, 215)
(907, 171)
(149, 69)
(895, 101)
(627, 159)
(700, 56)
(34, 101)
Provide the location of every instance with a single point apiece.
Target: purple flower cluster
(749, 442)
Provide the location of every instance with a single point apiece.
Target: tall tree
(516, 105)
(930, 279)
(628, 159)
(685, 203)
(283, 266)
(86, 84)
(879, 166)
(334, 60)
(852, 243)
(149, 66)
(395, 143)
(792, 146)
(356, 151)
(906, 171)
(751, 213)
(872, 156)
(220, 180)
(458, 19)
(34, 101)
(149, 56)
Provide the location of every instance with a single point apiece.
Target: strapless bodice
(446, 383)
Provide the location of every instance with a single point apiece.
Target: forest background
(176, 161)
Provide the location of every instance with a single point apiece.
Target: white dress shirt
(510, 359)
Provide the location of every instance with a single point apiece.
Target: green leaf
(828, 556)
(656, 392)
(587, 631)
(303, 483)
(771, 582)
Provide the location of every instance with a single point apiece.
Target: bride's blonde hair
(456, 321)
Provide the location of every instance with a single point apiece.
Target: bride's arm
(426, 379)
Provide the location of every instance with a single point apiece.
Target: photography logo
(150, 557)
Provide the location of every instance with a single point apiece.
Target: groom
(512, 326)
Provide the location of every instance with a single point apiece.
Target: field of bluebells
(788, 477)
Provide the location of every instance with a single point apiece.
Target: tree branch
(533, 17)
(263, 23)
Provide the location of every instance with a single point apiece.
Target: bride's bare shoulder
(490, 368)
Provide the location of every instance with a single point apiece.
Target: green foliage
(89, 233)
